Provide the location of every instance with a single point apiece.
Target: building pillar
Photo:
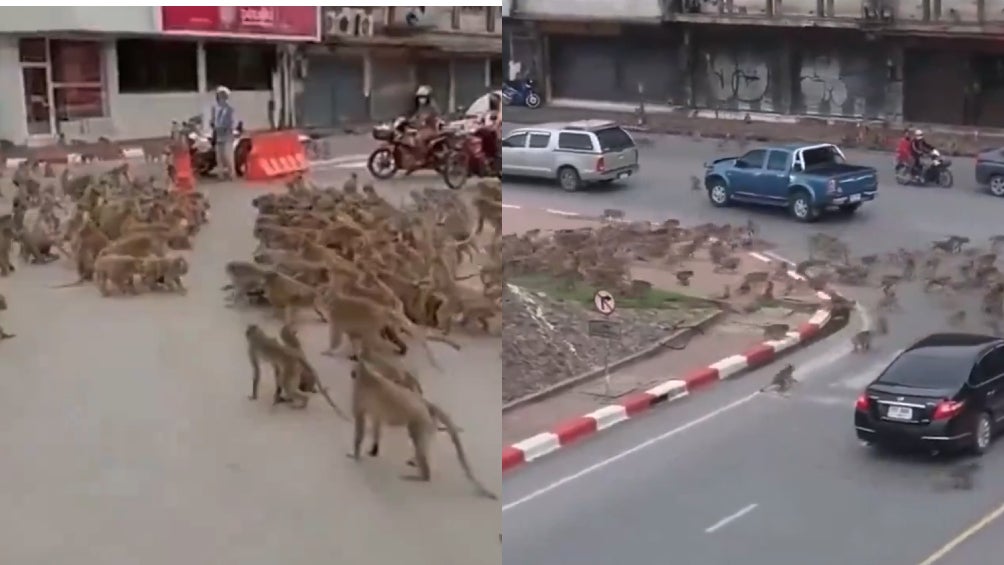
(894, 83)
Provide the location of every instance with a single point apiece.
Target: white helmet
(424, 90)
(918, 133)
(222, 90)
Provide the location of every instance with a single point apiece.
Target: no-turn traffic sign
(604, 302)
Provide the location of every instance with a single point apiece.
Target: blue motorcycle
(521, 93)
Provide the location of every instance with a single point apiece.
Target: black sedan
(943, 393)
(990, 171)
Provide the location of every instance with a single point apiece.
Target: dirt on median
(545, 323)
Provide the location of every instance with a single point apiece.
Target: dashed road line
(730, 518)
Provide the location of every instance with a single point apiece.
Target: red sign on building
(285, 23)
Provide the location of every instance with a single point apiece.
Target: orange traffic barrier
(275, 155)
(181, 168)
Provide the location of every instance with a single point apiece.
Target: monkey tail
(327, 397)
(79, 282)
(451, 429)
(443, 339)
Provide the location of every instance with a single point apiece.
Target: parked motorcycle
(202, 146)
(521, 93)
(475, 154)
(937, 173)
(393, 154)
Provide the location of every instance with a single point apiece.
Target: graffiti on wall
(736, 79)
(832, 85)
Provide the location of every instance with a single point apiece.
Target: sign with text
(282, 23)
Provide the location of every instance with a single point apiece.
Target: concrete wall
(117, 19)
(506, 8)
(616, 10)
(960, 11)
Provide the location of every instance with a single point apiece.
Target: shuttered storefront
(334, 91)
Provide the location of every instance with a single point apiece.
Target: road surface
(763, 480)
(127, 435)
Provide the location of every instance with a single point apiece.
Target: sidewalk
(957, 141)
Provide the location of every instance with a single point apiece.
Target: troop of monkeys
(950, 266)
(117, 231)
(376, 274)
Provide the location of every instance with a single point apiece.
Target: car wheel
(718, 194)
(849, 209)
(569, 179)
(982, 434)
(800, 205)
(997, 186)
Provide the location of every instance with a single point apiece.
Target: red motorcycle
(475, 154)
(394, 154)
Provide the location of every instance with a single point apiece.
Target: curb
(578, 428)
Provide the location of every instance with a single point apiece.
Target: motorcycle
(937, 173)
(521, 93)
(475, 154)
(202, 146)
(393, 153)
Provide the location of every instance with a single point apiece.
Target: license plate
(623, 176)
(855, 198)
(900, 413)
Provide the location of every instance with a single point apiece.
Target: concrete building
(372, 60)
(127, 72)
(893, 60)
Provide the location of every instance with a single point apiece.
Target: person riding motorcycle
(920, 149)
(904, 156)
(425, 122)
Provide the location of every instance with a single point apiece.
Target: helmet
(222, 90)
(424, 90)
(918, 133)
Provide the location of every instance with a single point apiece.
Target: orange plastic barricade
(181, 162)
(275, 155)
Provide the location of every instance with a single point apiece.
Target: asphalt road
(127, 435)
(763, 480)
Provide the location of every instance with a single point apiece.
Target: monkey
(3, 306)
(6, 244)
(119, 270)
(286, 294)
(309, 381)
(957, 318)
(695, 183)
(862, 341)
(613, 214)
(386, 403)
(881, 325)
(683, 277)
(889, 300)
(783, 380)
(727, 264)
(488, 211)
(166, 271)
(937, 282)
(351, 184)
(139, 245)
(286, 363)
(247, 280)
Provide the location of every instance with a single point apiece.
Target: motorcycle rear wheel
(946, 179)
(382, 164)
(532, 101)
(457, 170)
(903, 176)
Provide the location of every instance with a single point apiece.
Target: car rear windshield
(926, 370)
(613, 139)
(821, 157)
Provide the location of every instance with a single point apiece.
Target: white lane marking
(627, 453)
(511, 206)
(562, 212)
(349, 165)
(759, 257)
(773, 255)
(730, 518)
(344, 159)
(970, 532)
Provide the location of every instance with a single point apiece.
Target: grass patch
(583, 293)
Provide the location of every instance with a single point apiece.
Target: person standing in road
(223, 131)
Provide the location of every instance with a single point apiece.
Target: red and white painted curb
(576, 429)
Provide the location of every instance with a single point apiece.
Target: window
(778, 161)
(77, 80)
(33, 50)
(540, 140)
(518, 140)
(991, 366)
(240, 66)
(927, 370)
(614, 139)
(754, 159)
(575, 141)
(822, 156)
(175, 68)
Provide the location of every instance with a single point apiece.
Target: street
(128, 435)
(734, 477)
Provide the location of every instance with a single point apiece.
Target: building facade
(80, 73)
(372, 60)
(891, 60)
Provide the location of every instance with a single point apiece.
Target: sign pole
(605, 304)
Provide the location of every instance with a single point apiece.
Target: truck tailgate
(854, 182)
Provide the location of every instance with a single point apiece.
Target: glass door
(35, 74)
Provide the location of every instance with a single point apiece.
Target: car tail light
(831, 187)
(863, 404)
(601, 165)
(947, 409)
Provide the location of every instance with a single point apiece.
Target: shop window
(77, 81)
(174, 66)
(240, 66)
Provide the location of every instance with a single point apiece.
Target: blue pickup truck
(806, 179)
